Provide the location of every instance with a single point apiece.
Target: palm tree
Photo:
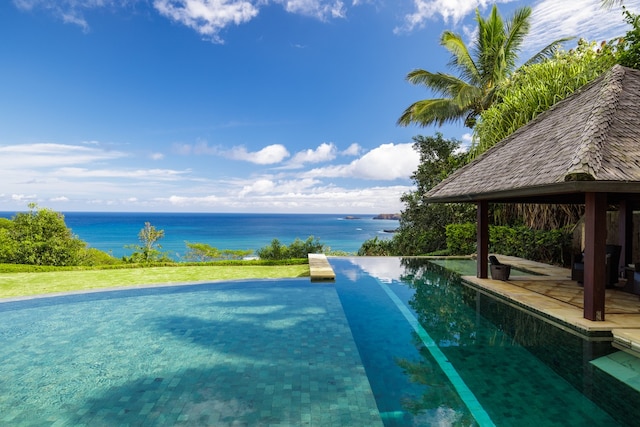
(495, 49)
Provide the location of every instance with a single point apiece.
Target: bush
(39, 237)
(377, 247)
(548, 246)
(461, 239)
(297, 249)
(203, 252)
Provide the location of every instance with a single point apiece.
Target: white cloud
(451, 11)
(23, 197)
(466, 141)
(83, 173)
(260, 186)
(207, 17)
(353, 150)
(44, 155)
(386, 162)
(270, 186)
(269, 155)
(316, 8)
(59, 199)
(324, 153)
(157, 156)
(319, 199)
(552, 20)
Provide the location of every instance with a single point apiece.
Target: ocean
(111, 232)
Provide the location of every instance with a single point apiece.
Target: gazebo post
(595, 255)
(483, 239)
(625, 233)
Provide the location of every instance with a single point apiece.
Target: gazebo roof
(588, 142)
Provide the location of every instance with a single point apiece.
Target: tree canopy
(39, 237)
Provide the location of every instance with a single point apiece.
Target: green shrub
(297, 249)
(39, 237)
(377, 247)
(461, 238)
(548, 246)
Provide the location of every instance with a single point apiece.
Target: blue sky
(231, 105)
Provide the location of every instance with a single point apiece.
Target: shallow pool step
(319, 268)
(621, 365)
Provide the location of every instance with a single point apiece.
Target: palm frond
(442, 83)
(489, 42)
(432, 111)
(460, 56)
(548, 51)
(517, 29)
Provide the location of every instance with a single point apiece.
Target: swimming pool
(392, 342)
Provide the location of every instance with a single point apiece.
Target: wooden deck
(557, 298)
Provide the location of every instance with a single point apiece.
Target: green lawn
(23, 284)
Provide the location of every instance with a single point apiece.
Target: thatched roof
(587, 142)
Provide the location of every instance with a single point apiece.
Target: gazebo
(584, 150)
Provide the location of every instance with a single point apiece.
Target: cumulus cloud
(386, 162)
(451, 11)
(319, 199)
(269, 186)
(353, 150)
(207, 17)
(323, 153)
(23, 197)
(269, 155)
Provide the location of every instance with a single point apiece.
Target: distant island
(395, 216)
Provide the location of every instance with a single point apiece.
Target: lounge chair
(611, 265)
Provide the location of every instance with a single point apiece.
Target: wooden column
(595, 255)
(483, 239)
(625, 233)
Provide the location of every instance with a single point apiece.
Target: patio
(556, 298)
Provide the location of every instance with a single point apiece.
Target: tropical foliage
(297, 249)
(39, 237)
(202, 252)
(482, 69)
(534, 88)
(148, 249)
(422, 224)
(630, 55)
(550, 246)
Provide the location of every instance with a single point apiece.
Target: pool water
(391, 343)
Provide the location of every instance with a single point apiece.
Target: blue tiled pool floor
(268, 353)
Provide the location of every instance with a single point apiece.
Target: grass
(17, 284)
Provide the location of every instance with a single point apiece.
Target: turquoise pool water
(392, 342)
